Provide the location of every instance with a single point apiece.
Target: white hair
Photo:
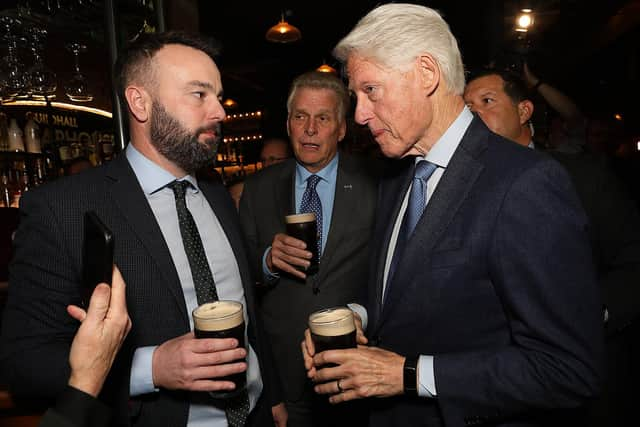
(395, 34)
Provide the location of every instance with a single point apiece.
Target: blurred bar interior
(57, 103)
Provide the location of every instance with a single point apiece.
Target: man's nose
(216, 111)
(362, 114)
(310, 128)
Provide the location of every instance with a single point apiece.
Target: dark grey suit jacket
(497, 283)
(267, 197)
(45, 277)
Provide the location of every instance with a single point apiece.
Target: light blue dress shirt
(153, 180)
(326, 190)
(440, 154)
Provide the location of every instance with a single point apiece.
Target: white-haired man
(469, 321)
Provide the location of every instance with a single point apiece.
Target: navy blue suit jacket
(497, 284)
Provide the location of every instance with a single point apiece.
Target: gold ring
(340, 390)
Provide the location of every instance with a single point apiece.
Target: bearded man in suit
(163, 218)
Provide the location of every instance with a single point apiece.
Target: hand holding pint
(222, 319)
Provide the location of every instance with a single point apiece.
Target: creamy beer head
(218, 316)
(332, 322)
(300, 218)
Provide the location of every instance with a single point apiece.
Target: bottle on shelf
(4, 133)
(32, 135)
(39, 174)
(16, 140)
(50, 154)
(93, 152)
(5, 191)
(77, 150)
(64, 152)
(106, 142)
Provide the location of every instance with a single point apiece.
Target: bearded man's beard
(179, 145)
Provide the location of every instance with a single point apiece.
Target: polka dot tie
(311, 204)
(202, 278)
(235, 408)
(415, 208)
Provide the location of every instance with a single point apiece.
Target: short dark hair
(133, 60)
(513, 84)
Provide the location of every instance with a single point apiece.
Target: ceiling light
(326, 68)
(283, 32)
(524, 22)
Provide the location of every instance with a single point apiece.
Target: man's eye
(488, 100)
(198, 94)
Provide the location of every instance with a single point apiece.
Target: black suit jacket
(76, 409)
(269, 196)
(614, 231)
(45, 277)
(497, 284)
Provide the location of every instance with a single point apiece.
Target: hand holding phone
(97, 253)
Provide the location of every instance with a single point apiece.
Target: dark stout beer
(222, 319)
(332, 329)
(304, 227)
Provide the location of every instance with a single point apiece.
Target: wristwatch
(410, 376)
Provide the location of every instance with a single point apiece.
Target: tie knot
(312, 181)
(179, 188)
(424, 169)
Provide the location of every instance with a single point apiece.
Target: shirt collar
(328, 173)
(151, 176)
(442, 151)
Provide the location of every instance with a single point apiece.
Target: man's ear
(525, 111)
(139, 102)
(343, 130)
(429, 72)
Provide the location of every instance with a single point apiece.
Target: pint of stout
(333, 329)
(303, 227)
(222, 319)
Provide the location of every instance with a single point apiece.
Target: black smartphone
(97, 253)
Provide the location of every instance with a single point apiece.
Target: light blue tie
(415, 208)
(418, 195)
(311, 203)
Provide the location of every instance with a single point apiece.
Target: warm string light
(254, 114)
(242, 138)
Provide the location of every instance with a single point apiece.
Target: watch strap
(410, 376)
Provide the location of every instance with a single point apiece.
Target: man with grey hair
(469, 320)
(345, 194)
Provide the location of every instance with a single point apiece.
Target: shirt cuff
(426, 377)
(269, 277)
(362, 312)
(80, 408)
(141, 381)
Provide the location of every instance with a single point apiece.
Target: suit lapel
(284, 191)
(393, 189)
(134, 207)
(343, 205)
(453, 189)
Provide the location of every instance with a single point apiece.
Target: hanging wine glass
(41, 79)
(4, 95)
(77, 89)
(16, 84)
